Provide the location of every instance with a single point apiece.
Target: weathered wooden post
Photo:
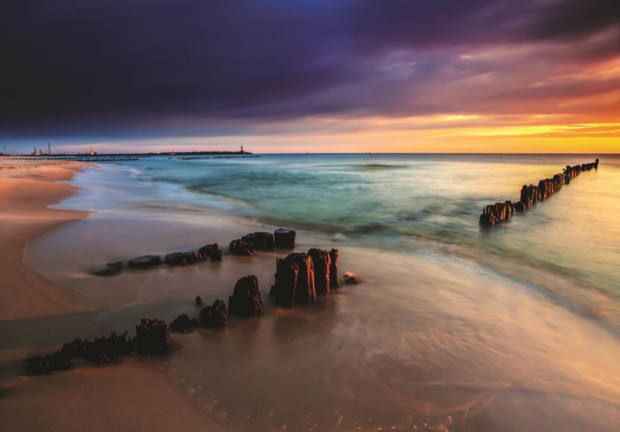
(287, 273)
(246, 300)
(322, 265)
(285, 238)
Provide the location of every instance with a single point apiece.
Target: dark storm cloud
(107, 67)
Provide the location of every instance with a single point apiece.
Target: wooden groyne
(245, 246)
(152, 338)
(531, 194)
(299, 278)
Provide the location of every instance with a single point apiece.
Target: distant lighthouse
(242, 152)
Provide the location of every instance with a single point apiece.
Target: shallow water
(513, 328)
(391, 199)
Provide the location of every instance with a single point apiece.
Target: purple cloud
(126, 68)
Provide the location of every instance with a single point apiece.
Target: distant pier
(131, 158)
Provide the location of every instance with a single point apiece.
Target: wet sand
(26, 189)
(37, 314)
(134, 396)
(426, 342)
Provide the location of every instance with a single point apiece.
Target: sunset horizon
(522, 77)
(310, 216)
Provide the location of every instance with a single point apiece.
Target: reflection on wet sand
(423, 341)
(438, 336)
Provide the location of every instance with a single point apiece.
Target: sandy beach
(319, 216)
(34, 312)
(62, 300)
(434, 338)
(25, 192)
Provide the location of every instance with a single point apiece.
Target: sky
(311, 76)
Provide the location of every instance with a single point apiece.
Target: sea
(454, 326)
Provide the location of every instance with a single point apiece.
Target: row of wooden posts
(299, 278)
(531, 194)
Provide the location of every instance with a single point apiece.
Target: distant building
(242, 152)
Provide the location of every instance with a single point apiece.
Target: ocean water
(454, 327)
(396, 201)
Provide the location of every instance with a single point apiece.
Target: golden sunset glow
(310, 216)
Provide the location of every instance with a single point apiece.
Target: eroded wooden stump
(321, 261)
(241, 247)
(210, 251)
(246, 300)
(284, 238)
(261, 240)
(287, 273)
(215, 315)
(152, 337)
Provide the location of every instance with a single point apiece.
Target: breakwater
(299, 278)
(531, 194)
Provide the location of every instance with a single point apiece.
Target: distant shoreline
(207, 153)
(43, 156)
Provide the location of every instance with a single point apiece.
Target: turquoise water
(394, 201)
(453, 327)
